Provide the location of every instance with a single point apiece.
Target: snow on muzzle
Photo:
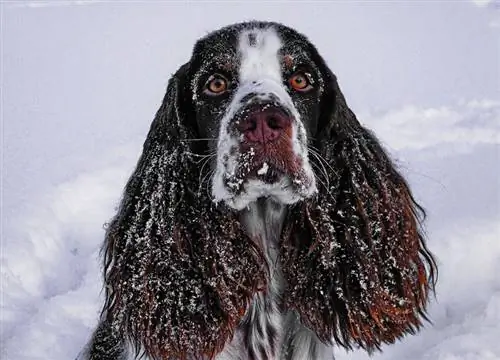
(262, 148)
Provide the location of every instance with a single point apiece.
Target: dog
(262, 221)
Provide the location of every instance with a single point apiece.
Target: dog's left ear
(354, 258)
(179, 270)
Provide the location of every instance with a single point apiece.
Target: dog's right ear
(179, 269)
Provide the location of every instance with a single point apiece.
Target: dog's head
(255, 91)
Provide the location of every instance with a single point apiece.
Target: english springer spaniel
(262, 220)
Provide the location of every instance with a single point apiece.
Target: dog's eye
(300, 81)
(216, 84)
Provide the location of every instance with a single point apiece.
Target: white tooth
(263, 169)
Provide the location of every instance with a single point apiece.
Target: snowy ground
(81, 84)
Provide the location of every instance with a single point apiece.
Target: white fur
(264, 221)
(259, 73)
(260, 61)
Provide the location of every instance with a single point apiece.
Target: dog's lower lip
(271, 176)
(266, 172)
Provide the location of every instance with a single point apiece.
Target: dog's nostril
(251, 125)
(274, 123)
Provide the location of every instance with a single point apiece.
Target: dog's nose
(264, 126)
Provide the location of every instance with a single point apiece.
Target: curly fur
(181, 271)
(354, 258)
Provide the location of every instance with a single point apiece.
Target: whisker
(321, 158)
(212, 154)
(323, 169)
(200, 155)
(201, 170)
(202, 181)
(318, 177)
(205, 158)
(200, 139)
(311, 146)
(209, 178)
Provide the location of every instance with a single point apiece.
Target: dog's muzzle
(262, 149)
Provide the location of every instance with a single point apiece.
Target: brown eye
(216, 84)
(300, 81)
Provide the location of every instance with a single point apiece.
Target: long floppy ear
(355, 260)
(179, 271)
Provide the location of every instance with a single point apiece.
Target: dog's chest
(261, 330)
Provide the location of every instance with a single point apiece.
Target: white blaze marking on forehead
(260, 69)
(259, 49)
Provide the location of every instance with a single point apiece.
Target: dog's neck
(263, 221)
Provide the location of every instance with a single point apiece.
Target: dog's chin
(270, 183)
(255, 189)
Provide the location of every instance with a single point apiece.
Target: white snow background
(82, 80)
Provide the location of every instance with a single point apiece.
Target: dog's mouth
(266, 172)
(268, 163)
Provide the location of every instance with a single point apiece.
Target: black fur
(180, 271)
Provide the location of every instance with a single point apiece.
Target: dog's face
(256, 93)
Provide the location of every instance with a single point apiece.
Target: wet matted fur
(182, 271)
